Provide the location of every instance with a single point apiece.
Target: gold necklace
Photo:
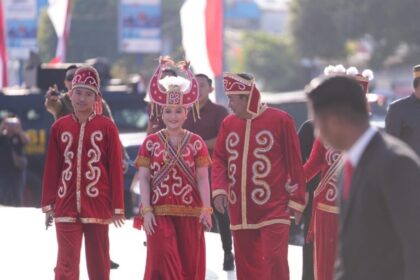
(178, 143)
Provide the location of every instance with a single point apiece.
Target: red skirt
(176, 250)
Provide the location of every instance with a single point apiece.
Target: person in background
(175, 193)
(82, 187)
(256, 152)
(379, 190)
(402, 119)
(13, 161)
(207, 125)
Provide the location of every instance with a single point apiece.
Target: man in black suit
(380, 192)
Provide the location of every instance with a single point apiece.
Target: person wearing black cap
(402, 119)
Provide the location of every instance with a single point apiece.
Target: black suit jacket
(380, 221)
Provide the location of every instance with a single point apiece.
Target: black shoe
(114, 265)
(229, 262)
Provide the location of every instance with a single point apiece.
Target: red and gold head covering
(174, 91)
(235, 84)
(87, 77)
(362, 78)
(416, 71)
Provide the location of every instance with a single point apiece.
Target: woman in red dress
(173, 169)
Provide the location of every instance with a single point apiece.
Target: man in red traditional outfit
(83, 182)
(256, 152)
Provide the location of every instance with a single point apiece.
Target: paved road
(27, 251)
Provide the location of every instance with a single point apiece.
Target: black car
(129, 112)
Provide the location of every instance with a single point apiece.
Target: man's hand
(289, 187)
(118, 220)
(49, 217)
(52, 93)
(220, 203)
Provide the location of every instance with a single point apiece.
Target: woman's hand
(149, 223)
(205, 219)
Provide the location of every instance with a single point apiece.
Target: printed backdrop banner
(139, 24)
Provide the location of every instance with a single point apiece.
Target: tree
(272, 60)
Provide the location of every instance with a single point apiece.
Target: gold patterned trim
(202, 161)
(328, 208)
(260, 225)
(95, 221)
(79, 167)
(296, 206)
(238, 78)
(218, 192)
(244, 176)
(47, 208)
(65, 220)
(142, 161)
(245, 92)
(177, 210)
(119, 211)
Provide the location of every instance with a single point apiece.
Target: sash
(329, 176)
(175, 159)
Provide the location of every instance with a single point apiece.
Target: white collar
(355, 152)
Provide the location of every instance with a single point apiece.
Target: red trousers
(262, 253)
(69, 238)
(325, 244)
(176, 250)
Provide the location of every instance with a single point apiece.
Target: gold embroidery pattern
(47, 208)
(142, 161)
(79, 166)
(119, 211)
(178, 189)
(232, 140)
(202, 161)
(262, 167)
(260, 225)
(94, 172)
(328, 208)
(177, 210)
(66, 137)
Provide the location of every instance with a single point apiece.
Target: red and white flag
(202, 35)
(3, 52)
(59, 13)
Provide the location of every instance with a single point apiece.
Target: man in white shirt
(380, 187)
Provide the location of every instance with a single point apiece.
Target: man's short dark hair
(341, 96)
(246, 76)
(209, 81)
(73, 66)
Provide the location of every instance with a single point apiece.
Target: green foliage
(323, 27)
(47, 40)
(272, 60)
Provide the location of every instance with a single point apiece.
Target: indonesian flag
(3, 53)
(59, 13)
(202, 35)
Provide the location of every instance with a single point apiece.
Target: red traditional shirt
(83, 178)
(173, 172)
(325, 161)
(252, 160)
